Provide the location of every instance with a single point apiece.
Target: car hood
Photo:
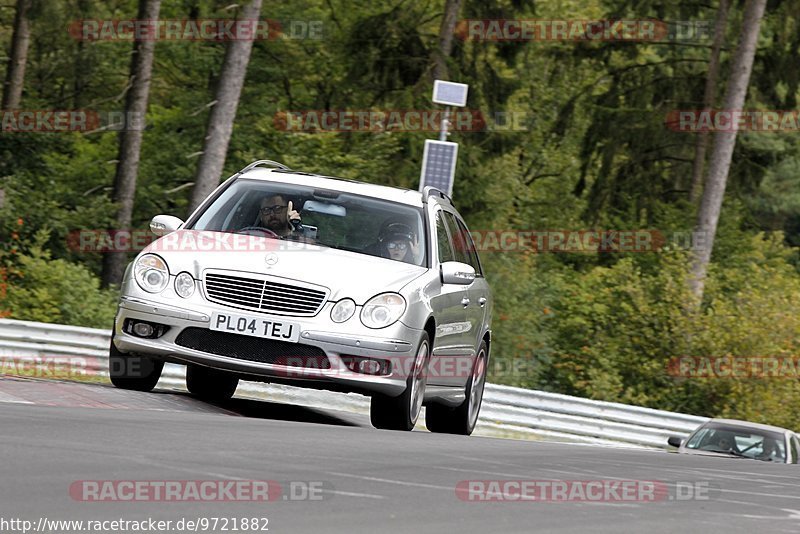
(345, 274)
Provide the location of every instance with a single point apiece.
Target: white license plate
(255, 326)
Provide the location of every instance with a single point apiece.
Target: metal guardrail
(60, 351)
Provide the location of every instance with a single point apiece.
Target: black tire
(461, 419)
(133, 371)
(402, 412)
(210, 384)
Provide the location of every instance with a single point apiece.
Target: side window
(443, 241)
(459, 244)
(473, 254)
(794, 442)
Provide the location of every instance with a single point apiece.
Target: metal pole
(445, 124)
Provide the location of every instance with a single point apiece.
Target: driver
(726, 442)
(276, 213)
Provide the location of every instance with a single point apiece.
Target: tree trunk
(15, 73)
(701, 143)
(82, 66)
(130, 141)
(220, 122)
(724, 142)
(445, 44)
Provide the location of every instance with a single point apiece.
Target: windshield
(739, 441)
(359, 224)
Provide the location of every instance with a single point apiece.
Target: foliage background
(595, 154)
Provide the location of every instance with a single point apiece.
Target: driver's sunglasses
(268, 210)
(398, 246)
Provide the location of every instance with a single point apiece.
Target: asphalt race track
(54, 435)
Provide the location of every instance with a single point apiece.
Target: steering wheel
(266, 231)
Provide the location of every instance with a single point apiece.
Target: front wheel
(209, 384)
(463, 418)
(402, 412)
(133, 371)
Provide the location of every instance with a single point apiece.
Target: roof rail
(265, 163)
(429, 191)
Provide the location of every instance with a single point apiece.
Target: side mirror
(455, 272)
(674, 441)
(164, 224)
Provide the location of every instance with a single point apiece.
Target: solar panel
(439, 165)
(450, 93)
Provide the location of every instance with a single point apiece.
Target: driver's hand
(292, 216)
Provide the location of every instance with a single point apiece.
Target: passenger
(770, 450)
(399, 242)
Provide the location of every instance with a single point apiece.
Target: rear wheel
(463, 418)
(132, 371)
(402, 412)
(210, 384)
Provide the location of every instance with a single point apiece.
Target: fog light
(143, 330)
(369, 367)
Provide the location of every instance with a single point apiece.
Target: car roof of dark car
(748, 425)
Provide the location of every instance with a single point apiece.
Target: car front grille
(264, 295)
(253, 349)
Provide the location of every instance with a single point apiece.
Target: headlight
(184, 285)
(343, 310)
(151, 273)
(382, 310)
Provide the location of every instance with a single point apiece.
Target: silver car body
(457, 316)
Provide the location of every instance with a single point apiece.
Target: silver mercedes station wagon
(306, 280)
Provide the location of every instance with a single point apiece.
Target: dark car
(741, 439)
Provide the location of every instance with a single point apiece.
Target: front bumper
(396, 343)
